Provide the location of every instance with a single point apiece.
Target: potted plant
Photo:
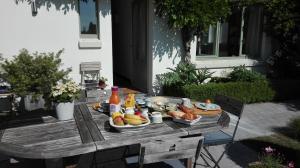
(32, 76)
(102, 82)
(63, 95)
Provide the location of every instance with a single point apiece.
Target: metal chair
(233, 107)
(90, 74)
(185, 147)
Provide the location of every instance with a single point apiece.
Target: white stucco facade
(166, 45)
(55, 27)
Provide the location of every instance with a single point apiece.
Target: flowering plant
(65, 92)
(270, 158)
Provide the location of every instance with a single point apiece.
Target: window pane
(88, 16)
(230, 33)
(206, 42)
(253, 28)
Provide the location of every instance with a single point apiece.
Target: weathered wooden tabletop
(88, 132)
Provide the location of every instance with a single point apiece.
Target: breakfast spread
(134, 112)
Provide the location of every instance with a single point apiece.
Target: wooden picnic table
(90, 131)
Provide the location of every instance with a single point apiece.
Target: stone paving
(259, 119)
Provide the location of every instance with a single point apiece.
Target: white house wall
(166, 46)
(56, 26)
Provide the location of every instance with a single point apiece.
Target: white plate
(209, 106)
(187, 122)
(128, 127)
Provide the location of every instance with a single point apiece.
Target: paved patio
(258, 119)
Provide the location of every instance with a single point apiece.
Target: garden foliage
(248, 92)
(184, 74)
(241, 74)
(34, 73)
(245, 85)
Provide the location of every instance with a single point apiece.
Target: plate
(187, 122)
(159, 103)
(205, 106)
(127, 127)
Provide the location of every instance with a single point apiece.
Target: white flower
(70, 88)
(269, 149)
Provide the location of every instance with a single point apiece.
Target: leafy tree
(192, 15)
(282, 24)
(196, 15)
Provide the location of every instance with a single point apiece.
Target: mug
(156, 117)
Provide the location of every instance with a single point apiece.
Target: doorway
(130, 44)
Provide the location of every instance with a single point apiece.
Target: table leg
(85, 160)
(189, 162)
(54, 163)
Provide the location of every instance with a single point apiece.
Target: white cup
(156, 117)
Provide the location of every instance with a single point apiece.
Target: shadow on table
(27, 118)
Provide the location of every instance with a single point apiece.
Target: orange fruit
(207, 101)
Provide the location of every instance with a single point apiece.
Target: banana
(115, 114)
(133, 121)
(132, 116)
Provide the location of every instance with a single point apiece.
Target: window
(88, 12)
(239, 35)
(207, 42)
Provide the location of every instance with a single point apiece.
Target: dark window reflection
(206, 42)
(230, 35)
(88, 16)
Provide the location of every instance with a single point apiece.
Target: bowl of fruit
(128, 122)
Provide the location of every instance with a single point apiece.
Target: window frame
(90, 36)
(217, 41)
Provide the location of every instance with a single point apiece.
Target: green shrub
(34, 73)
(241, 74)
(184, 73)
(248, 92)
(219, 80)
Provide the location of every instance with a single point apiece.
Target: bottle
(114, 100)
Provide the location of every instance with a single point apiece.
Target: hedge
(248, 92)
